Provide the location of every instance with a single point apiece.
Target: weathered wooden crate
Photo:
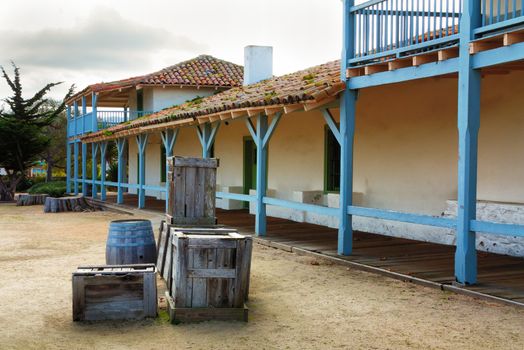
(163, 262)
(192, 188)
(210, 275)
(114, 292)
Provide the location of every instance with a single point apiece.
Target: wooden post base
(199, 314)
(31, 199)
(64, 204)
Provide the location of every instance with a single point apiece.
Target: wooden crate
(210, 274)
(164, 249)
(192, 188)
(114, 292)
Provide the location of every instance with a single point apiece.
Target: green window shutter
(331, 162)
(162, 163)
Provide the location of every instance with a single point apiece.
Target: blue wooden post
(75, 148)
(84, 111)
(75, 167)
(206, 135)
(120, 146)
(68, 166)
(468, 128)
(261, 137)
(125, 114)
(68, 151)
(84, 169)
(347, 132)
(103, 151)
(169, 139)
(141, 141)
(94, 114)
(260, 219)
(94, 170)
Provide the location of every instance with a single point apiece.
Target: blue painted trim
(497, 56)
(391, 215)
(94, 170)
(236, 196)
(207, 135)
(499, 25)
(154, 188)
(496, 228)
(468, 127)
(120, 146)
(347, 131)
(94, 114)
(271, 129)
(84, 112)
(103, 152)
(169, 139)
(252, 131)
(260, 219)
(311, 208)
(75, 168)
(141, 141)
(405, 74)
(111, 183)
(402, 50)
(84, 169)
(68, 166)
(330, 121)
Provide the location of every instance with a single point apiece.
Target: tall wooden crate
(192, 188)
(210, 275)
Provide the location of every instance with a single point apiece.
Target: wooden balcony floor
(499, 276)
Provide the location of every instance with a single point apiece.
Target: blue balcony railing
(83, 124)
(393, 28)
(387, 29)
(500, 14)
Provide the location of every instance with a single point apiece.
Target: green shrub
(54, 188)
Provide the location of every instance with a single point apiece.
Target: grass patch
(53, 188)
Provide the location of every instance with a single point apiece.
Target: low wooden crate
(114, 292)
(210, 275)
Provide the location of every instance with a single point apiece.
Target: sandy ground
(295, 302)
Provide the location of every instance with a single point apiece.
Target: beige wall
(405, 146)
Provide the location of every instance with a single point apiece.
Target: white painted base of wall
(230, 204)
(505, 213)
(487, 211)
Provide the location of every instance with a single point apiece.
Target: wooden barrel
(130, 242)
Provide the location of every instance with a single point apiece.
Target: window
(162, 163)
(139, 102)
(331, 162)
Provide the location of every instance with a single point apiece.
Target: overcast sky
(83, 42)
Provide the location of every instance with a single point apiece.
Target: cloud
(104, 41)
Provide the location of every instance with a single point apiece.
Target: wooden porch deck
(499, 276)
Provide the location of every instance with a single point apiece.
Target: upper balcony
(379, 31)
(84, 123)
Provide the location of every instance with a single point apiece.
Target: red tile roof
(202, 71)
(310, 87)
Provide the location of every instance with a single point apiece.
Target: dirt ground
(295, 302)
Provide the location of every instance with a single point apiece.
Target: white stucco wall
(158, 98)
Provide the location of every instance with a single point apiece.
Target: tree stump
(31, 199)
(63, 204)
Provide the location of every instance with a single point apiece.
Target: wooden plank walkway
(499, 276)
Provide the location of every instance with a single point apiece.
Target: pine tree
(22, 136)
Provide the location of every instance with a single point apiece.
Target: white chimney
(258, 63)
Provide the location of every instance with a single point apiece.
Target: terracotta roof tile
(307, 86)
(203, 70)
